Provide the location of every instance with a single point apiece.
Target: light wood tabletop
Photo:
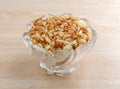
(98, 70)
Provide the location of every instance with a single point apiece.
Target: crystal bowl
(60, 62)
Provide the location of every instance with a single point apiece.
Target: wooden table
(99, 70)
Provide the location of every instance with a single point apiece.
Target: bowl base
(58, 72)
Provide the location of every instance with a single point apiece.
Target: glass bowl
(60, 62)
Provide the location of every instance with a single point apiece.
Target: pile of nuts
(59, 32)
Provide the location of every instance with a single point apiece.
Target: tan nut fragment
(81, 41)
(60, 33)
(79, 33)
(34, 41)
(67, 47)
(47, 39)
(58, 44)
(71, 31)
(52, 44)
(74, 42)
(66, 36)
(68, 39)
(47, 47)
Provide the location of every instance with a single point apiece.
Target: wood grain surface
(99, 70)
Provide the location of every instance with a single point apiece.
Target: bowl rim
(38, 47)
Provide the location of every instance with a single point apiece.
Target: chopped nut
(59, 32)
(74, 25)
(85, 36)
(82, 23)
(68, 47)
(73, 18)
(46, 30)
(58, 48)
(68, 39)
(33, 36)
(73, 36)
(74, 42)
(48, 20)
(73, 28)
(50, 35)
(81, 41)
(38, 23)
(74, 46)
(78, 28)
(44, 44)
(66, 42)
(60, 29)
(69, 24)
(52, 49)
(58, 44)
(47, 47)
(31, 33)
(79, 33)
(37, 35)
(37, 27)
(71, 31)
(62, 26)
(65, 16)
(40, 44)
(44, 23)
(41, 39)
(66, 36)
(52, 44)
(55, 33)
(43, 35)
(76, 22)
(47, 40)
(34, 41)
